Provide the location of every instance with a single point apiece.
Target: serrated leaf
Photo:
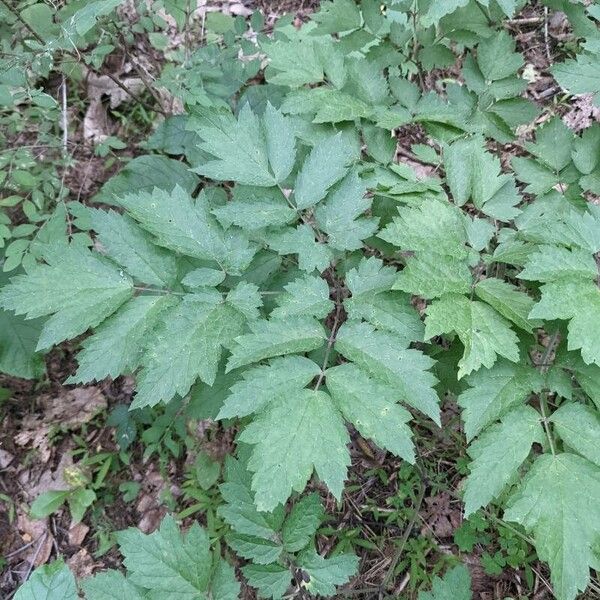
(300, 526)
(324, 574)
(291, 438)
(272, 581)
(131, 247)
(264, 384)
(553, 142)
(78, 288)
(549, 263)
(246, 299)
(312, 255)
(387, 360)
(497, 58)
(586, 149)
(313, 180)
(110, 585)
(281, 142)
(336, 16)
(441, 8)
(18, 340)
(254, 208)
(498, 453)
(339, 215)
(372, 408)
(186, 226)
(483, 332)
(172, 565)
(579, 76)
(370, 277)
(455, 585)
(579, 428)
(258, 550)
(557, 503)
(239, 147)
(305, 296)
(293, 63)
(224, 585)
(507, 300)
(203, 277)
(53, 581)
(186, 346)
(275, 338)
(117, 344)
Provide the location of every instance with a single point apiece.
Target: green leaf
(494, 392)
(272, 581)
(292, 437)
(579, 428)
(48, 502)
(313, 180)
(325, 573)
(557, 503)
(300, 526)
(281, 143)
(549, 263)
(186, 345)
(455, 585)
(18, 340)
(203, 277)
(482, 331)
(312, 255)
(131, 247)
(497, 58)
(387, 360)
(305, 296)
(110, 585)
(507, 300)
(586, 149)
(170, 564)
(497, 455)
(276, 338)
(327, 105)
(553, 142)
(254, 208)
(143, 174)
(337, 16)
(293, 63)
(85, 18)
(339, 215)
(53, 581)
(224, 585)
(239, 147)
(258, 550)
(580, 76)
(246, 299)
(441, 8)
(116, 346)
(186, 226)
(78, 288)
(264, 384)
(372, 408)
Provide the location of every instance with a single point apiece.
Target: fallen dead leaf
(39, 533)
(77, 533)
(5, 459)
(73, 408)
(81, 563)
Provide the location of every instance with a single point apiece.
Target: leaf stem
(543, 367)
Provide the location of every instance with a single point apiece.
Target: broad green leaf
(586, 149)
(339, 215)
(48, 502)
(367, 82)
(293, 63)
(203, 277)
(185, 346)
(455, 585)
(53, 581)
(172, 565)
(18, 340)
(116, 346)
(556, 502)
(553, 142)
(276, 338)
(431, 225)
(78, 288)
(540, 179)
(314, 179)
(387, 360)
(441, 8)
(483, 332)
(264, 384)
(131, 247)
(186, 226)
(370, 277)
(497, 58)
(431, 275)
(143, 174)
(305, 296)
(300, 526)
(239, 147)
(372, 408)
(110, 585)
(224, 584)
(253, 208)
(337, 16)
(587, 376)
(324, 574)
(579, 428)
(246, 299)
(507, 300)
(272, 581)
(494, 392)
(312, 255)
(85, 18)
(258, 550)
(552, 262)
(292, 437)
(281, 142)
(327, 105)
(497, 455)
(580, 76)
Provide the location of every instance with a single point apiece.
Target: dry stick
(65, 122)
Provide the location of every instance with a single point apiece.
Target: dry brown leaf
(73, 408)
(77, 533)
(39, 533)
(82, 564)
